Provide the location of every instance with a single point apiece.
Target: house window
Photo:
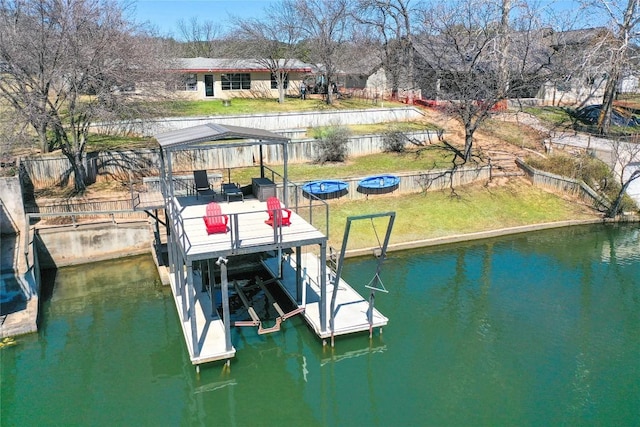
(236, 81)
(274, 81)
(190, 82)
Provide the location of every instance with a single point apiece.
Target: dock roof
(215, 132)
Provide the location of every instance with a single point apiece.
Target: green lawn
(263, 105)
(354, 167)
(418, 216)
(438, 214)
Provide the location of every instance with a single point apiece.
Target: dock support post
(224, 283)
(211, 277)
(299, 276)
(190, 291)
(182, 289)
(175, 270)
(323, 286)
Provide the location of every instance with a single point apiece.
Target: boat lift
(255, 319)
(375, 284)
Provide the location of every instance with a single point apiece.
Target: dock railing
(236, 237)
(315, 207)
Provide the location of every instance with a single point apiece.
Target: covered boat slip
(205, 331)
(234, 232)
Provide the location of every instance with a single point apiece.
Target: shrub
(393, 141)
(594, 172)
(332, 143)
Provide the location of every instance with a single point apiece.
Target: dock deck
(248, 232)
(351, 308)
(351, 311)
(211, 342)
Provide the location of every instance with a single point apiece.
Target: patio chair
(201, 184)
(215, 221)
(277, 214)
(232, 190)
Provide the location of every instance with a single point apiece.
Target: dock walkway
(351, 308)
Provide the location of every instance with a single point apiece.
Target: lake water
(536, 329)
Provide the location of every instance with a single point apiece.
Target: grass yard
(438, 214)
(264, 105)
(355, 167)
(553, 117)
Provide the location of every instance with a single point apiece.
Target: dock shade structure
(203, 266)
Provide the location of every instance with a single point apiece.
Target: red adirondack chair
(277, 214)
(214, 220)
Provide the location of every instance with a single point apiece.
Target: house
(560, 68)
(576, 64)
(220, 78)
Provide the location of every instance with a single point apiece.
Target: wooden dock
(287, 251)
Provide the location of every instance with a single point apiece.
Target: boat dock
(204, 328)
(210, 237)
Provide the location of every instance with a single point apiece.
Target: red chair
(214, 220)
(277, 214)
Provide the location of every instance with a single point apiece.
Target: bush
(595, 173)
(393, 141)
(332, 143)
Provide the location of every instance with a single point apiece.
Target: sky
(164, 14)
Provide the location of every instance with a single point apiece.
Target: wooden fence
(86, 204)
(565, 185)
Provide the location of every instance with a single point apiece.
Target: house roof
(235, 64)
(214, 132)
(539, 46)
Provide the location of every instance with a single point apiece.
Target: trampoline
(326, 189)
(378, 184)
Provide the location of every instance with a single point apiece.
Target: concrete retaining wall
(52, 170)
(268, 121)
(68, 245)
(563, 184)
(11, 206)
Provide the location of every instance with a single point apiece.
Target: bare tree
(626, 160)
(200, 39)
(274, 41)
(70, 63)
(390, 22)
(624, 18)
(324, 24)
(464, 48)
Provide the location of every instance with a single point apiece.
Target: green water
(535, 330)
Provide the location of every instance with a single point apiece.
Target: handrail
(234, 235)
(72, 214)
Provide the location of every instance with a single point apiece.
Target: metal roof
(230, 64)
(214, 132)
